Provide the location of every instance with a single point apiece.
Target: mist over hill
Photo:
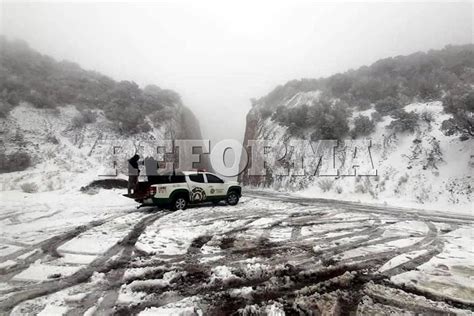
(26, 75)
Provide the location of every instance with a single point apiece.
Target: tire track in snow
(57, 240)
(100, 264)
(430, 238)
(280, 284)
(410, 213)
(48, 247)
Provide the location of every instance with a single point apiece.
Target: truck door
(197, 187)
(215, 186)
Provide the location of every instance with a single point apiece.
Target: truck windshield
(213, 179)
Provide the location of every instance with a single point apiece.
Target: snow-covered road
(270, 254)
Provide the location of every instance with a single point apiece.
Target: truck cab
(179, 189)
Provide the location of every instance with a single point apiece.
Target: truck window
(196, 178)
(177, 179)
(164, 179)
(213, 179)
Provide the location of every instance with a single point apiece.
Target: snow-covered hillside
(65, 157)
(423, 168)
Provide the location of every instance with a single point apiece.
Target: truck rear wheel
(180, 203)
(232, 198)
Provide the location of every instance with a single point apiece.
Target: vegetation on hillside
(26, 75)
(327, 120)
(389, 84)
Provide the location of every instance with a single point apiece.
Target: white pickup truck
(189, 187)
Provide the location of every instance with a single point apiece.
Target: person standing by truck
(151, 169)
(133, 173)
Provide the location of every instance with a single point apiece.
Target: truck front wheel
(180, 203)
(232, 198)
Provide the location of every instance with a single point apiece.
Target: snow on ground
(7, 264)
(43, 272)
(31, 218)
(69, 258)
(185, 307)
(406, 227)
(28, 221)
(264, 255)
(8, 249)
(62, 301)
(401, 259)
(99, 239)
(173, 235)
(453, 266)
(382, 247)
(53, 310)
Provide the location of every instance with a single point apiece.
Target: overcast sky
(219, 54)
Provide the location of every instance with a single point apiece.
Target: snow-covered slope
(65, 157)
(423, 168)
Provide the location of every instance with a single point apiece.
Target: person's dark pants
(132, 184)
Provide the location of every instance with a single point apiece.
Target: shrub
(50, 138)
(360, 188)
(329, 121)
(367, 88)
(50, 185)
(396, 114)
(376, 116)
(41, 100)
(164, 115)
(339, 84)
(84, 117)
(16, 161)
(295, 130)
(144, 127)
(364, 185)
(427, 89)
(325, 184)
(363, 126)
(427, 116)
(423, 195)
(127, 119)
(89, 116)
(406, 122)
(460, 103)
(155, 98)
(266, 112)
(280, 114)
(29, 187)
(387, 105)
(403, 179)
(297, 116)
(361, 104)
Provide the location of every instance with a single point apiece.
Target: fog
(218, 54)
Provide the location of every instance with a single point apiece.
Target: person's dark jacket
(133, 166)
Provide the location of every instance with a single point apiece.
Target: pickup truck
(179, 189)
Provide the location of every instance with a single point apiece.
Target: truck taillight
(151, 191)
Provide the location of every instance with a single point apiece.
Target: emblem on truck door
(198, 194)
